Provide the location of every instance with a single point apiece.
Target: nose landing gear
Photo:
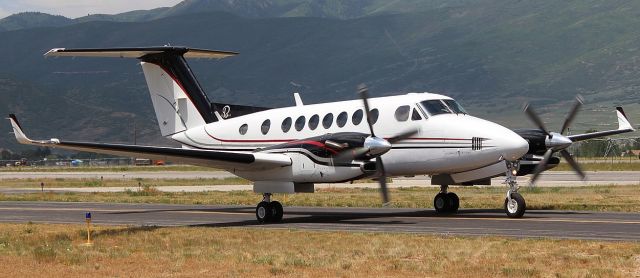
(269, 211)
(446, 202)
(514, 204)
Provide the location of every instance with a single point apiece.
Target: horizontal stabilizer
(138, 52)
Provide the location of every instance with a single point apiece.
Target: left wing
(208, 158)
(623, 126)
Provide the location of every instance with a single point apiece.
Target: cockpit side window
(415, 116)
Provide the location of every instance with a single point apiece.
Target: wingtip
(623, 120)
(17, 130)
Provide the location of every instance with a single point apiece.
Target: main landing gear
(514, 204)
(446, 202)
(269, 211)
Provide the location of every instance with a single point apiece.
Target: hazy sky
(77, 8)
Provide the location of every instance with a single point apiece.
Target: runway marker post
(87, 218)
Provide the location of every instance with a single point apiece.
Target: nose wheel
(269, 211)
(515, 206)
(446, 202)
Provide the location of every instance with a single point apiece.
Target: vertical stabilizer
(178, 99)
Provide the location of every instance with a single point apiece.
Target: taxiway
(468, 222)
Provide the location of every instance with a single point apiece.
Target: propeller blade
(567, 156)
(364, 95)
(382, 179)
(403, 136)
(572, 113)
(533, 116)
(541, 166)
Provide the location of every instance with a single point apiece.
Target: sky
(78, 8)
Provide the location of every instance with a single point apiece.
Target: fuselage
(448, 141)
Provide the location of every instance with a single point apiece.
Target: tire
(516, 208)
(263, 212)
(454, 202)
(276, 211)
(441, 203)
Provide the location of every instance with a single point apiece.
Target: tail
(178, 99)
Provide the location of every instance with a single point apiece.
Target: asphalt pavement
(468, 222)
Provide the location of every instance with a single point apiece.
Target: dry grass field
(38, 250)
(593, 198)
(90, 182)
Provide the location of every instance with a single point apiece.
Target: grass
(600, 166)
(90, 182)
(592, 198)
(37, 250)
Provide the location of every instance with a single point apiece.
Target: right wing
(218, 159)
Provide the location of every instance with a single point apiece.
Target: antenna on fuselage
(296, 94)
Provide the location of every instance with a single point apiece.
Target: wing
(217, 159)
(623, 126)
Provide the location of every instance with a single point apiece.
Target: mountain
(31, 20)
(253, 9)
(490, 55)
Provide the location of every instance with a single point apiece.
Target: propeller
(556, 142)
(374, 146)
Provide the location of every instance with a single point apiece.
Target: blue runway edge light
(87, 215)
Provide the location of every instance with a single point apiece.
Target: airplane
(290, 149)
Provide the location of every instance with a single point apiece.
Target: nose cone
(513, 146)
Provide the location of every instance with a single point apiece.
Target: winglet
(623, 121)
(17, 130)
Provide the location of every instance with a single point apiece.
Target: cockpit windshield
(455, 106)
(442, 106)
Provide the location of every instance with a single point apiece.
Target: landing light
(514, 172)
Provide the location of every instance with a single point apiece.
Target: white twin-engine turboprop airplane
(288, 150)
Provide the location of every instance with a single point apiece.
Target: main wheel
(264, 212)
(454, 202)
(516, 207)
(441, 203)
(276, 211)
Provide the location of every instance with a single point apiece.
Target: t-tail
(178, 99)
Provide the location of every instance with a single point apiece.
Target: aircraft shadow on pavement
(356, 216)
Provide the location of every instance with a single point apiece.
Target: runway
(468, 222)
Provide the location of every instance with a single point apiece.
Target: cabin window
(286, 124)
(265, 126)
(374, 113)
(356, 119)
(243, 129)
(402, 113)
(313, 122)
(342, 118)
(327, 120)
(300, 123)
